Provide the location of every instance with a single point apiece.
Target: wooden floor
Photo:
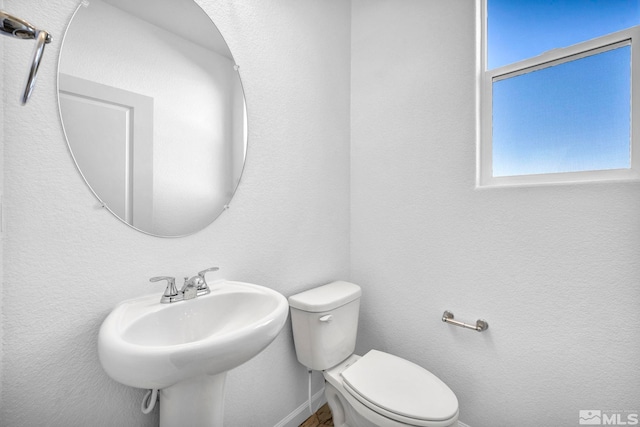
(322, 418)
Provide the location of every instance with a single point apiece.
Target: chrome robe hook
(21, 29)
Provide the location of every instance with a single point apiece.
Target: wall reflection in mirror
(153, 110)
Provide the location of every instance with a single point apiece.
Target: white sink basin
(184, 349)
(146, 344)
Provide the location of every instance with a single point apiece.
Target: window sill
(570, 178)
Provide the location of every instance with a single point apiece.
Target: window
(557, 91)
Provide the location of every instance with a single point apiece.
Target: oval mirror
(153, 110)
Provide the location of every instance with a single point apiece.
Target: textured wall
(2, 41)
(553, 269)
(68, 262)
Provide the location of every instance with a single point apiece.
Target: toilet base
(343, 414)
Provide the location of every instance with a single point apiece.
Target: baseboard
(301, 413)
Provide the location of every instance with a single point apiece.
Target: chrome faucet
(193, 287)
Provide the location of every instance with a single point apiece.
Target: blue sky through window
(566, 118)
(573, 116)
(520, 29)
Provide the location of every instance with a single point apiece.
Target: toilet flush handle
(326, 318)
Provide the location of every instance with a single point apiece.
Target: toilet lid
(400, 387)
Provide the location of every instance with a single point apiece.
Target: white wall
(553, 269)
(68, 262)
(2, 59)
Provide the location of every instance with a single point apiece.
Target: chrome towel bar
(480, 326)
(15, 27)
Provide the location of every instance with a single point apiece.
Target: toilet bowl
(375, 390)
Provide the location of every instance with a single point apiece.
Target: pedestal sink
(184, 349)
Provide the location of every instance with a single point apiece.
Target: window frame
(485, 178)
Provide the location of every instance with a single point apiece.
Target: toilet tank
(325, 324)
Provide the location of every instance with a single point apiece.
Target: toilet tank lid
(326, 297)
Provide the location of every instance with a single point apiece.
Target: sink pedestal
(194, 402)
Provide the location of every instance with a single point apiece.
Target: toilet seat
(400, 390)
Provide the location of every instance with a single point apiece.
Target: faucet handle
(204, 281)
(204, 285)
(171, 290)
(203, 272)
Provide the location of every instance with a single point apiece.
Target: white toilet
(375, 390)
